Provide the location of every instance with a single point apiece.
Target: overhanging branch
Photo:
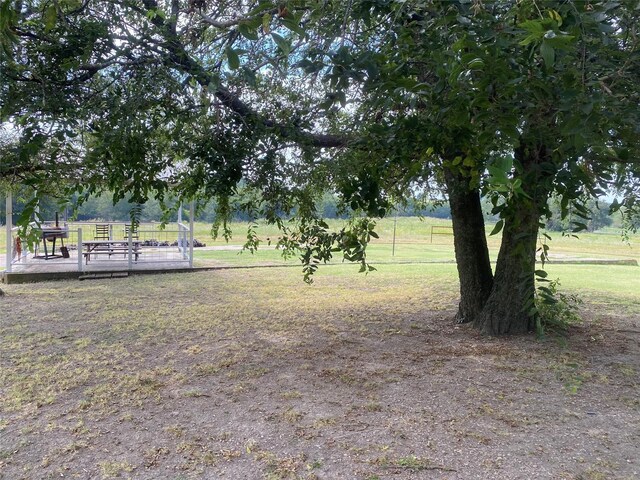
(188, 65)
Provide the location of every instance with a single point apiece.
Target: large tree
(519, 100)
(377, 100)
(512, 99)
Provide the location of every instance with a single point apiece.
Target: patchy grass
(253, 374)
(114, 469)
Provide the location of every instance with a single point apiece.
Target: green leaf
(556, 16)
(579, 226)
(530, 39)
(213, 84)
(504, 163)
(469, 162)
(541, 273)
(247, 32)
(497, 228)
(294, 26)
(476, 64)
(548, 54)
(533, 26)
(282, 43)
(233, 58)
(406, 82)
(545, 291)
(499, 175)
(50, 17)
(262, 6)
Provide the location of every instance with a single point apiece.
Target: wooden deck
(151, 260)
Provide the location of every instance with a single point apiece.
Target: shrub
(556, 311)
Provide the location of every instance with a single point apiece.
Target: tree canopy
(376, 100)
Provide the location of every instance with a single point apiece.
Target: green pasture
(414, 242)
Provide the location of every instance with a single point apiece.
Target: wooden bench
(111, 247)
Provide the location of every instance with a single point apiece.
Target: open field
(413, 243)
(251, 374)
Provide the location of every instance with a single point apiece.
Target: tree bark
(470, 242)
(512, 296)
(508, 308)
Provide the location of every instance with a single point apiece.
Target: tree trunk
(512, 296)
(508, 308)
(470, 242)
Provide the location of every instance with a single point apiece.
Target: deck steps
(103, 275)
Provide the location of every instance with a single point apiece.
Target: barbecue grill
(51, 234)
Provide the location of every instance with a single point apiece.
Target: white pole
(36, 210)
(182, 235)
(393, 248)
(80, 248)
(9, 225)
(183, 241)
(192, 213)
(130, 245)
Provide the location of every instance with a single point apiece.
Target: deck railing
(140, 247)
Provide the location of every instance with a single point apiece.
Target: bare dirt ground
(253, 375)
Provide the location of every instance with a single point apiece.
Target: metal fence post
(80, 249)
(183, 241)
(9, 225)
(192, 213)
(393, 247)
(130, 246)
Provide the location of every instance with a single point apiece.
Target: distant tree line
(102, 208)
(600, 217)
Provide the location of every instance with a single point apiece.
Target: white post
(182, 235)
(130, 246)
(192, 213)
(36, 210)
(393, 248)
(9, 225)
(183, 240)
(80, 248)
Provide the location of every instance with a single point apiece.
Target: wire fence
(85, 246)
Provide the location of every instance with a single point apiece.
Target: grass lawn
(413, 242)
(253, 374)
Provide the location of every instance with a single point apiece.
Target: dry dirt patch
(249, 375)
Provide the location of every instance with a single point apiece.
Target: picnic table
(110, 247)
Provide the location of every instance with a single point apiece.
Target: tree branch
(234, 21)
(188, 65)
